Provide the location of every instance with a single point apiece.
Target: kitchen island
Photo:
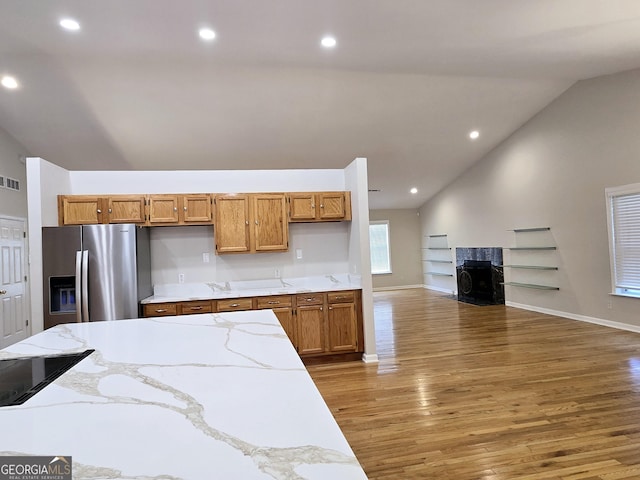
(210, 396)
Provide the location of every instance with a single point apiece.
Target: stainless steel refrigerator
(94, 272)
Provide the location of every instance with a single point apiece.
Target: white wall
(12, 164)
(404, 238)
(553, 172)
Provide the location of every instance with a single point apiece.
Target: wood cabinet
(93, 210)
(342, 322)
(318, 324)
(282, 306)
(310, 322)
(251, 223)
(180, 209)
(319, 206)
(126, 209)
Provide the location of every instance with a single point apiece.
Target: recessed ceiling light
(474, 134)
(69, 24)
(9, 82)
(328, 42)
(206, 34)
(414, 190)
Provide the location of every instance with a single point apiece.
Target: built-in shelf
(522, 234)
(436, 257)
(535, 229)
(531, 285)
(442, 235)
(438, 248)
(440, 274)
(532, 267)
(438, 261)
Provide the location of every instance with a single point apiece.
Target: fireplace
(480, 276)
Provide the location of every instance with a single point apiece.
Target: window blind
(625, 217)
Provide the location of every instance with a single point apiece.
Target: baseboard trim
(439, 289)
(398, 287)
(573, 316)
(370, 357)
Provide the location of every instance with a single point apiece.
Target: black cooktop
(21, 378)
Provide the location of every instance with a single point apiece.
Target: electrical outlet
(205, 257)
(277, 273)
(299, 253)
(181, 278)
(609, 305)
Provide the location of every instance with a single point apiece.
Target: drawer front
(235, 304)
(310, 299)
(274, 301)
(187, 308)
(341, 297)
(160, 309)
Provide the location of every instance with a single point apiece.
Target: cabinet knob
(330, 308)
(246, 222)
(321, 205)
(99, 211)
(257, 222)
(110, 210)
(175, 209)
(313, 205)
(184, 208)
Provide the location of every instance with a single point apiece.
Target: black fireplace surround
(480, 276)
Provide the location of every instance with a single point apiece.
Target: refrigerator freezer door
(112, 271)
(59, 247)
(85, 286)
(79, 302)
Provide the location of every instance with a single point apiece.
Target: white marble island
(212, 396)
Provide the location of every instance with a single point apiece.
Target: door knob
(3, 292)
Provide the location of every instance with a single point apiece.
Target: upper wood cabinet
(180, 209)
(91, 210)
(80, 210)
(231, 231)
(251, 223)
(319, 206)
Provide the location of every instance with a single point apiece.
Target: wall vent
(1, 181)
(10, 184)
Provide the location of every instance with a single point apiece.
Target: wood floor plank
(497, 393)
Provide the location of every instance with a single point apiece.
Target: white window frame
(615, 255)
(382, 222)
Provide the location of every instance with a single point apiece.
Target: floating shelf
(439, 274)
(532, 267)
(530, 285)
(438, 261)
(438, 236)
(438, 248)
(535, 229)
(531, 248)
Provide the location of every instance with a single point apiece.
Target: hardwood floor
(467, 392)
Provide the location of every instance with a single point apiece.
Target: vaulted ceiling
(136, 88)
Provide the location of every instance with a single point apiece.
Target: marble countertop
(191, 397)
(179, 292)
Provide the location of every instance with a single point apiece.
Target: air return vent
(10, 183)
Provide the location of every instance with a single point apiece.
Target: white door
(13, 299)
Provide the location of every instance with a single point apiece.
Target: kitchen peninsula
(190, 397)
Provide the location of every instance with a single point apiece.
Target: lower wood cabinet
(318, 324)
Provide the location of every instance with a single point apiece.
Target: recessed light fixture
(207, 34)
(328, 42)
(474, 134)
(70, 24)
(414, 190)
(9, 82)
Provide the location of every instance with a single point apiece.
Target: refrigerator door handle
(79, 301)
(85, 285)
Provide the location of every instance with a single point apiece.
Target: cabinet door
(342, 325)
(332, 205)
(231, 230)
(160, 309)
(81, 210)
(302, 207)
(310, 325)
(196, 208)
(196, 306)
(271, 229)
(287, 320)
(163, 209)
(126, 209)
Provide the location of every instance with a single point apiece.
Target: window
(379, 239)
(623, 214)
